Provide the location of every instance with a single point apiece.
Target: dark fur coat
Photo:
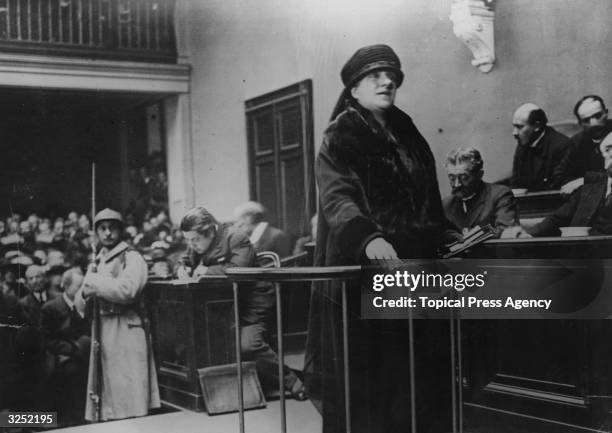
(374, 183)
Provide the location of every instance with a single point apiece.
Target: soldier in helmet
(129, 383)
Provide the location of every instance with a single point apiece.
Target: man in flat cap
(129, 383)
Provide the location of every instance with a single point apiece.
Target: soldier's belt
(112, 309)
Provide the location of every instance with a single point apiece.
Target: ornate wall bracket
(473, 24)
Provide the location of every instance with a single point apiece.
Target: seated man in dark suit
(474, 202)
(588, 206)
(539, 149)
(250, 218)
(32, 303)
(67, 342)
(583, 153)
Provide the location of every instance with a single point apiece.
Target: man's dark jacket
(65, 330)
(584, 208)
(275, 240)
(533, 168)
(32, 306)
(493, 204)
(582, 156)
(231, 248)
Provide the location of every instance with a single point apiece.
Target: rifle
(95, 391)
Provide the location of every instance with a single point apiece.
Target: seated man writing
(588, 206)
(214, 247)
(474, 202)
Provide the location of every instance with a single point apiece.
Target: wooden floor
(302, 417)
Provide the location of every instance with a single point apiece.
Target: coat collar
(106, 255)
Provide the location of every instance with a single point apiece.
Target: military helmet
(107, 215)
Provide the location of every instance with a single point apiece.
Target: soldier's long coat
(129, 385)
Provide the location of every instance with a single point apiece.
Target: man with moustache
(474, 202)
(590, 205)
(129, 382)
(539, 151)
(583, 154)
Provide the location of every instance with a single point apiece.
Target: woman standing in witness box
(378, 199)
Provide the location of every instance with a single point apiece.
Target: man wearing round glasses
(583, 154)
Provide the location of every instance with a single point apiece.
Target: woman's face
(376, 91)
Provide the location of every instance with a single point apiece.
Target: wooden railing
(141, 30)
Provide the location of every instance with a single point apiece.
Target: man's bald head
(528, 123)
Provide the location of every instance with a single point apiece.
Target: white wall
(550, 52)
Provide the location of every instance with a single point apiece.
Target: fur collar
(355, 135)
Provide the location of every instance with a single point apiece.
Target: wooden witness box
(192, 326)
(552, 371)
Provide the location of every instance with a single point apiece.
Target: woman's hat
(368, 59)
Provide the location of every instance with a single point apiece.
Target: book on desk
(472, 237)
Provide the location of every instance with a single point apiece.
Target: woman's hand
(380, 249)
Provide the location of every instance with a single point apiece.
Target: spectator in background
(539, 149)
(55, 257)
(45, 236)
(27, 234)
(33, 301)
(67, 341)
(84, 225)
(250, 219)
(583, 154)
(474, 202)
(160, 266)
(54, 278)
(40, 254)
(34, 221)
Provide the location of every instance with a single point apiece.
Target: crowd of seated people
(43, 364)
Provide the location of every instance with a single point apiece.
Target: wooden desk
(553, 370)
(548, 247)
(192, 328)
(539, 203)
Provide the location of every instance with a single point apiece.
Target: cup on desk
(574, 231)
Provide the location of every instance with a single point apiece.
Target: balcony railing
(141, 30)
